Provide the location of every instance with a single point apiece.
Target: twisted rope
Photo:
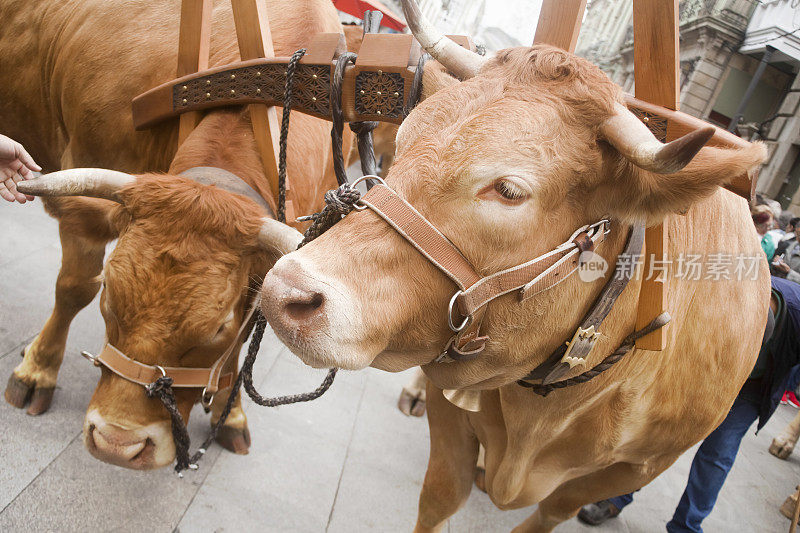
(284, 139)
(627, 345)
(337, 116)
(162, 389)
(247, 373)
(338, 203)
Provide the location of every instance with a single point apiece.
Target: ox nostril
(303, 305)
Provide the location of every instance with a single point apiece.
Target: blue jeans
(710, 467)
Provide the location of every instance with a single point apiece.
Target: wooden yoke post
(193, 46)
(560, 23)
(255, 41)
(655, 53)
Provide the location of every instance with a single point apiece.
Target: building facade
(722, 43)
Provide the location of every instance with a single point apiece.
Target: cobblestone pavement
(347, 462)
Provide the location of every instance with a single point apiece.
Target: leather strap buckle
(92, 358)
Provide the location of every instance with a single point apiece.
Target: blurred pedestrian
(763, 220)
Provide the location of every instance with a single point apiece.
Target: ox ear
(639, 194)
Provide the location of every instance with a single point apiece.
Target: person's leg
(621, 501)
(596, 513)
(710, 467)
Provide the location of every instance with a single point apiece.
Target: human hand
(780, 265)
(15, 165)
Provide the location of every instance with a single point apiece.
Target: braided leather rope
(627, 345)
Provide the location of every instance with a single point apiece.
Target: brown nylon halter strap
(535, 276)
(210, 379)
(137, 372)
(421, 234)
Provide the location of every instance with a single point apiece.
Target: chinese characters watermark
(717, 266)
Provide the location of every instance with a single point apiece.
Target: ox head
(174, 290)
(532, 144)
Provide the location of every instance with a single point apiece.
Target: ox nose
(292, 300)
(136, 447)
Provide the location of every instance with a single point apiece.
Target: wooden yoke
(655, 51)
(655, 45)
(378, 86)
(560, 23)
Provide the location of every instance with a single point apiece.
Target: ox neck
(224, 140)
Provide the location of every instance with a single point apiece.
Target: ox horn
(94, 182)
(625, 132)
(277, 237)
(458, 60)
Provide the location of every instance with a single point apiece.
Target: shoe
(783, 398)
(792, 400)
(595, 514)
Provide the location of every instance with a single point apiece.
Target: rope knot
(342, 199)
(159, 386)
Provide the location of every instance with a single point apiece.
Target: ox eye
(510, 191)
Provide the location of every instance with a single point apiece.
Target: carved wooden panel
(260, 82)
(656, 124)
(380, 94)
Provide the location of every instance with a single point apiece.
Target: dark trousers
(710, 467)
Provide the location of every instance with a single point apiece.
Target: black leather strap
(554, 367)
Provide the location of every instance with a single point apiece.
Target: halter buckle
(450, 308)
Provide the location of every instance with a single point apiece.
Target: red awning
(357, 8)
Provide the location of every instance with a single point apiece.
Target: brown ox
(176, 285)
(507, 164)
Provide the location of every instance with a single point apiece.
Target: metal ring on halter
(90, 357)
(359, 205)
(163, 372)
(368, 177)
(206, 401)
(450, 323)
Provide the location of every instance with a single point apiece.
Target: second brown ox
(176, 287)
(533, 144)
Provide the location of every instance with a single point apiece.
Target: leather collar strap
(143, 374)
(469, 303)
(209, 379)
(574, 352)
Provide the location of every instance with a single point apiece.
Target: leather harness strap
(421, 234)
(209, 379)
(574, 352)
(476, 291)
(530, 278)
(137, 372)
